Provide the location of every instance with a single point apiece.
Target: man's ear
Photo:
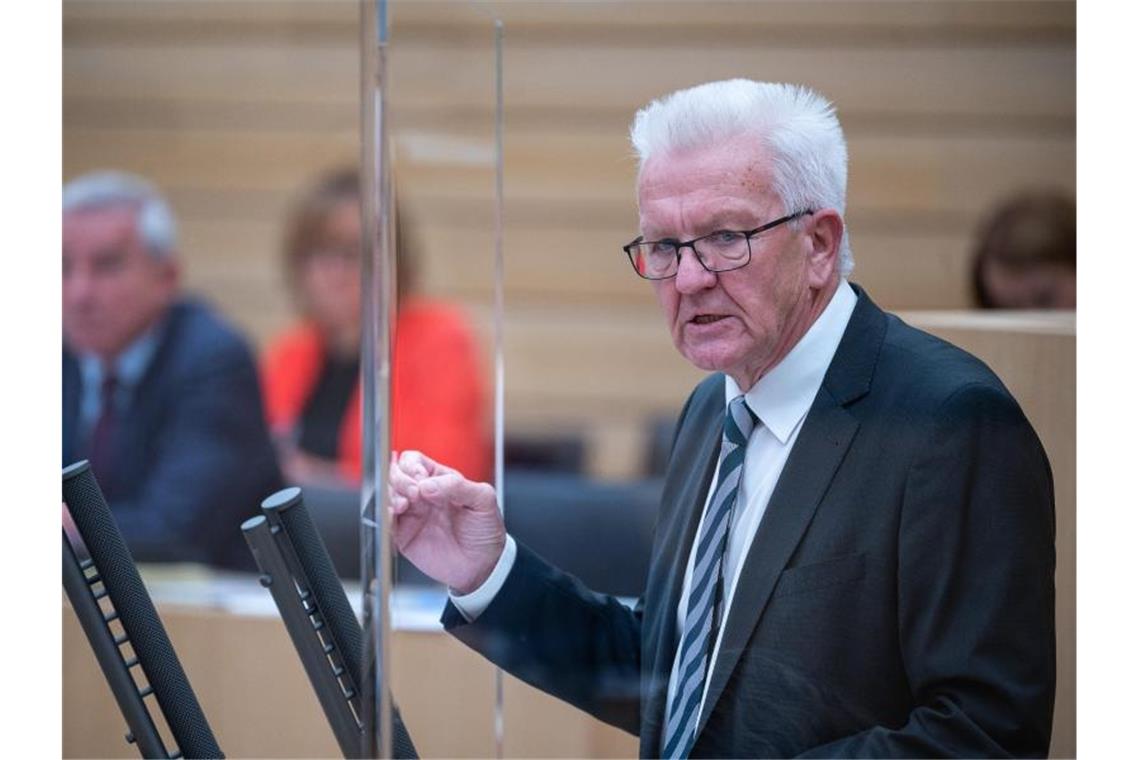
(825, 231)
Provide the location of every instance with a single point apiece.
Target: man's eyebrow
(736, 219)
(722, 220)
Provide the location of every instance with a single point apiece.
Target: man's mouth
(706, 319)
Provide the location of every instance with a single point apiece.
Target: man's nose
(691, 274)
(76, 287)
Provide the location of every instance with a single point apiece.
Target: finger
(456, 491)
(415, 464)
(401, 483)
(428, 466)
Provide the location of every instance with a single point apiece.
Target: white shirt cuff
(472, 605)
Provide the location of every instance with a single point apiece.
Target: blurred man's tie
(100, 450)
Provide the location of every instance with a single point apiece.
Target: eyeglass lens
(719, 252)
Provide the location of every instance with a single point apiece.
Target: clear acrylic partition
(590, 363)
(431, 147)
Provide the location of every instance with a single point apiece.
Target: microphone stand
(297, 570)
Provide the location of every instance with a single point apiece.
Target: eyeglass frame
(678, 245)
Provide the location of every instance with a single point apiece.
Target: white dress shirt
(780, 400)
(129, 368)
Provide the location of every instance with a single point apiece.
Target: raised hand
(448, 526)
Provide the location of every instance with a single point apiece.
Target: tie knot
(738, 421)
(107, 391)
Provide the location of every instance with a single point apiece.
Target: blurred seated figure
(311, 373)
(1026, 255)
(159, 392)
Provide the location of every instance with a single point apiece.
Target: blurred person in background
(159, 392)
(311, 373)
(1026, 254)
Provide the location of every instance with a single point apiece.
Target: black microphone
(135, 611)
(296, 542)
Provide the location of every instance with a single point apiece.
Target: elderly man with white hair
(159, 393)
(854, 553)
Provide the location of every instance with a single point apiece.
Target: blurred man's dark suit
(192, 455)
(897, 599)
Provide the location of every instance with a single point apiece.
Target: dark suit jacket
(897, 599)
(193, 457)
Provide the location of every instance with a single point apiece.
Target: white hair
(154, 221)
(798, 127)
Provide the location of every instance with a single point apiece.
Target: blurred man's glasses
(720, 251)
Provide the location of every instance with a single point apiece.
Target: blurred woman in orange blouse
(311, 373)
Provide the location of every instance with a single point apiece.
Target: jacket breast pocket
(830, 573)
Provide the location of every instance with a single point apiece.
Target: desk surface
(254, 692)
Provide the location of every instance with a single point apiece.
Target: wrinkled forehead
(100, 225)
(731, 178)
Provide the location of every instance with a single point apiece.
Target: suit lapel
(818, 451)
(71, 384)
(146, 411)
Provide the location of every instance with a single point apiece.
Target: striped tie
(681, 723)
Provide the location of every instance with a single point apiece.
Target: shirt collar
(129, 366)
(783, 396)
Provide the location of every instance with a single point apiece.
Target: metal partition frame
(379, 278)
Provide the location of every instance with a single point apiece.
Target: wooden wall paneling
(896, 59)
(608, 361)
(241, 160)
(948, 106)
(1010, 84)
(920, 182)
(905, 172)
(1027, 20)
(859, 19)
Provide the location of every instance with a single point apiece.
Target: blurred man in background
(159, 393)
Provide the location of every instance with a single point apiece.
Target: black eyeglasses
(720, 251)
